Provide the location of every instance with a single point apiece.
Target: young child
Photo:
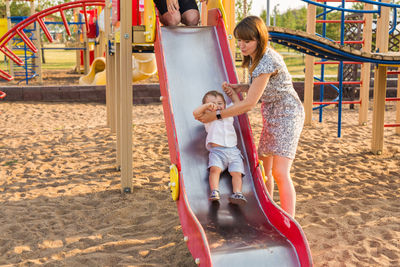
(221, 141)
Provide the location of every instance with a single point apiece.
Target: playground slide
(192, 61)
(143, 67)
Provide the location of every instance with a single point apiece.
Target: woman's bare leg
(281, 173)
(267, 162)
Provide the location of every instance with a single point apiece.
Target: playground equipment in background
(143, 67)
(324, 48)
(96, 75)
(18, 29)
(2, 95)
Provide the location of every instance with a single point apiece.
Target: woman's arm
(253, 96)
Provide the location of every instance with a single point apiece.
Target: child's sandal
(238, 199)
(215, 196)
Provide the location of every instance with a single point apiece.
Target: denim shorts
(226, 158)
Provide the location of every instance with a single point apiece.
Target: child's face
(217, 100)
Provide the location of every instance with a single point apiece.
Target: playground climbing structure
(326, 49)
(18, 29)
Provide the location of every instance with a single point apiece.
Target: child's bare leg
(213, 179)
(236, 182)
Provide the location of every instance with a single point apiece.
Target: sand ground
(61, 203)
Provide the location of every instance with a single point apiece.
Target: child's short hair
(213, 93)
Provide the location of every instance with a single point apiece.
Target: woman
(282, 110)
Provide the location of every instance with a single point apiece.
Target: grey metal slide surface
(237, 236)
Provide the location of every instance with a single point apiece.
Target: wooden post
(77, 43)
(398, 104)
(110, 68)
(382, 41)
(126, 96)
(86, 53)
(365, 68)
(309, 75)
(38, 59)
(379, 109)
(8, 14)
(117, 103)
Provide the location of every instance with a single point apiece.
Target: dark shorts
(184, 5)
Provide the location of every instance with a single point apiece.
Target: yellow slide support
(143, 66)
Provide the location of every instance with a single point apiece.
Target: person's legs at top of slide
(172, 12)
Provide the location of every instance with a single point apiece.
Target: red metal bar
(393, 72)
(45, 30)
(86, 19)
(10, 54)
(389, 99)
(345, 82)
(392, 125)
(337, 102)
(336, 62)
(339, 21)
(65, 21)
(351, 42)
(6, 76)
(2, 95)
(27, 41)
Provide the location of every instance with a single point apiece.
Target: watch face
(219, 115)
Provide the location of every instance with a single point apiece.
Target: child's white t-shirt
(221, 132)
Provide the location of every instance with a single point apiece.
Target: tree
(242, 9)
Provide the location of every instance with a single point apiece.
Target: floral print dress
(282, 110)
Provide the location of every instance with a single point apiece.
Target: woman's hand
(228, 87)
(172, 5)
(207, 117)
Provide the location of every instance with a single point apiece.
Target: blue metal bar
(320, 35)
(378, 3)
(62, 23)
(324, 13)
(340, 9)
(322, 48)
(322, 87)
(61, 48)
(342, 18)
(394, 23)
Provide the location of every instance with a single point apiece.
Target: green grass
(55, 59)
(295, 61)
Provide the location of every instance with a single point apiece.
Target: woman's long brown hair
(252, 28)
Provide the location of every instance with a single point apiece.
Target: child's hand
(228, 89)
(211, 107)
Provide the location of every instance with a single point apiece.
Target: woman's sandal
(238, 199)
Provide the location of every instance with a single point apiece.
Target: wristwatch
(219, 115)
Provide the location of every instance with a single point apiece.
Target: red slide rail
(2, 95)
(18, 29)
